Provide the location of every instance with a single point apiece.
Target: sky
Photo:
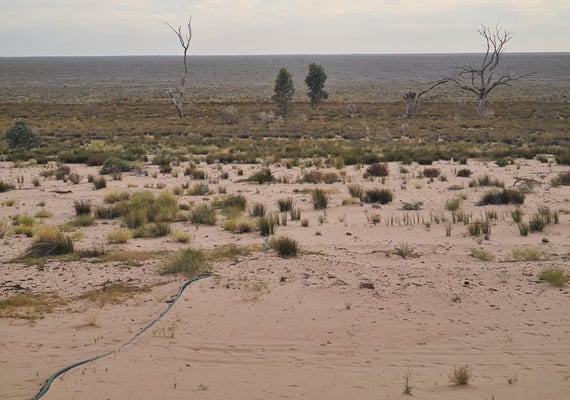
(136, 27)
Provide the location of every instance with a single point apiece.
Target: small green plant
(266, 224)
(83, 220)
(460, 376)
(453, 204)
(382, 196)
(356, 191)
(320, 199)
(555, 276)
(115, 197)
(262, 176)
(49, 241)
(82, 207)
(407, 384)
(257, 210)
(527, 253)
(204, 214)
(120, 235)
(114, 165)
(99, 182)
(506, 196)
(486, 180)
(180, 236)
(412, 205)
(199, 189)
(285, 247)
(285, 204)
(189, 262)
(482, 254)
(404, 250)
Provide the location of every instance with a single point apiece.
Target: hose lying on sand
(53, 377)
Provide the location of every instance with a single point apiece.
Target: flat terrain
(377, 292)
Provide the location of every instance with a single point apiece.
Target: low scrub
(382, 196)
(204, 214)
(505, 196)
(527, 253)
(114, 165)
(431, 172)
(377, 169)
(486, 180)
(267, 224)
(82, 207)
(121, 235)
(460, 376)
(190, 262)
(262, 176)
(355, 190)
(320, 199)
(555, 276)
(285, 247)
(49, 241)
(482, 254)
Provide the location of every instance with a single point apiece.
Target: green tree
(315, 81)
(284, 91)
(20, 138)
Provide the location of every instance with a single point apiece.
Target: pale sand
(316, 334)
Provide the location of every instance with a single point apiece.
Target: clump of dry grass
(114, 293)
(555, 276)
(460, 375)
(121, 235)
(49, 241)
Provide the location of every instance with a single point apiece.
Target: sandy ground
(267, 327)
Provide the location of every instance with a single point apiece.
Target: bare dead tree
(177, 94)
(481, 80)
(412, 99)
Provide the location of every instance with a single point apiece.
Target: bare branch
(178, 97)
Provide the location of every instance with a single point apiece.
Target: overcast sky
(135, 27)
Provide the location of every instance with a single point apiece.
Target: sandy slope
(307, 329)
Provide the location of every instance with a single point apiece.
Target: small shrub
(82, 207)
(199, 189)
(121, 235)
(189, 262)
(5, 186)
(356, 191)
(295, 214)
(262, 176)
(180, 236)
(285, 204)
(266, 224)
(464, 173)
(320, 199)
(117, 210)
(115, 197)
(304, 222)
(313, 176)
(74, 178)
(517, 215)
(99, 182)
(431, 172)
(555, 276)
(83, 220)
(49, 241)
(502, 162)
(482, 254)
(453, 204)
(460, 376)
(412, 206)
(377, 169)
(527, 253)
(8, 202)
(257, 210)
(404, 250)
(238, 202)
(203, 214)
(330, 177)
(158, 229)
(285, 247)
(536, 223)
(486, 180)
(523, 228)
(382, 196)
(506, 196)
(113, 165)
(564, 178)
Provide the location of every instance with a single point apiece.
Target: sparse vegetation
(190, 262)
(555, 276)
(382, 196)
(320, 199)
(527, 253)
(460, 376)
(506, 196)
(120, 235)
(285, 247)
(49, 241)
(482, 254)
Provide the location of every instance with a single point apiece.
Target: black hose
(53, 377)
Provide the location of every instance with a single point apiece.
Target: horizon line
(278, 54)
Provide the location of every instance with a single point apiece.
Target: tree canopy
(284, 91)
(19, 137)
(315, 81)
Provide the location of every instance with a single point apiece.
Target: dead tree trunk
(177, 94)
(412, 99)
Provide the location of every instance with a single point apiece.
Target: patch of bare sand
(267, 327)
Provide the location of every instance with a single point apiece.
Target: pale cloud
(92, 27)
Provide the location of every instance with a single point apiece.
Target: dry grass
(29, 305)
(121, 235)
(113, 293)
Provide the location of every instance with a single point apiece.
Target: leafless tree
(482, 80)
(412, 99)
(177, 94)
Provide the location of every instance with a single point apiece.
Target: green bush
(506, 196)
(382, 196)
(262, 176)
(48, 240)
(285, 246)
(20, 138)
(555, 276)
(99, 182)
(320, 199)
(203, 214)
(82, 207)
(115, 165)
(189, 262)
(266, 224)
